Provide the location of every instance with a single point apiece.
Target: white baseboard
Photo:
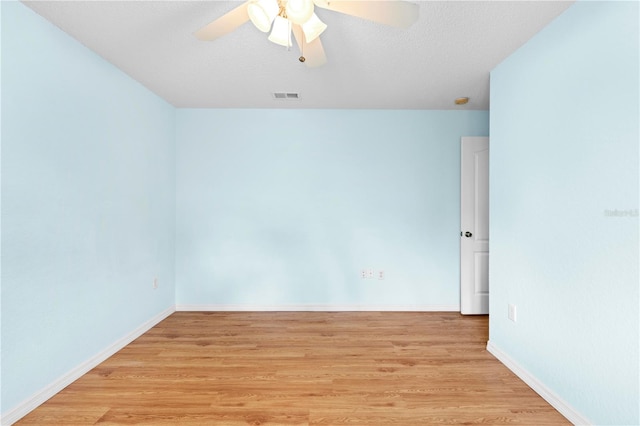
(319, 308)
(62, 382)
(540, 388)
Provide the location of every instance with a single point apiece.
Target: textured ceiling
(447, 54)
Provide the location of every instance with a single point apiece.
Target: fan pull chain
(304, 41)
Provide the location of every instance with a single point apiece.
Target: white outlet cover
(512, 314)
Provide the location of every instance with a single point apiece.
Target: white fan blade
(313, 52)
(225, 24)
(396, 13)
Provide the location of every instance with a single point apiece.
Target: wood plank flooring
(302, 368)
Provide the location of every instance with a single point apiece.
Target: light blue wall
(564, 147)
(88, 206)
(285, 207)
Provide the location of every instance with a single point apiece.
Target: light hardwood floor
(302, 368)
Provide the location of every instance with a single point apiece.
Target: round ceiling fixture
(461, 101)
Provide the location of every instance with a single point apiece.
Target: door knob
(468, 234)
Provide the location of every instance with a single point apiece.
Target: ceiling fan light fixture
(281, 32)
(281, 18)
(299, 11)
(313, 28)
(262, 13)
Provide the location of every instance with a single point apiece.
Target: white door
(474, 226)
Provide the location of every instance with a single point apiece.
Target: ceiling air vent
(286, 96)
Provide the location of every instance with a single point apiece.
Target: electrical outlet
(512, 313)
(381, 274)
(367, 274)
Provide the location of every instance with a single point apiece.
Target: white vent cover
(286, 96)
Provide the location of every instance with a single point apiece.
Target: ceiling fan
(283, 17)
